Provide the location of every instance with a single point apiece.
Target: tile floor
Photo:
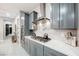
(7, 48)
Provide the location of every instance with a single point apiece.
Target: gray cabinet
(67, 16)
(76, 15)
(36, 49)
(55, 16)
(48, 10)
(64, 16)
(26, 45)
(26, 25)
(24, 22)
(23, 43)
(51, 52)
(32, 17)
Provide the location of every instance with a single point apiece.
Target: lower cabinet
(26, 46)
(51, 52)
(36, 49)
(23, 42)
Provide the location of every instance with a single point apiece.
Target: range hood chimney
(43, 14)
(43, 9)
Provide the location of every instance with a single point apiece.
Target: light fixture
(40, 24)
(48, 23)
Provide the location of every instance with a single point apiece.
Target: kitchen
(48, 29)
(55, 46)
(60, 31)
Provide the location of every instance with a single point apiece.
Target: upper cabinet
(55, 16)
(24, 23)
(32, 17)
(63, 15)
(26, 27)
(48, 10)
(67, 20)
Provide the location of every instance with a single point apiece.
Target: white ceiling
(14, 8)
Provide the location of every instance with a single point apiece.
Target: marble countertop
(59, 46)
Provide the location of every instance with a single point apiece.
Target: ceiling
(12, 9)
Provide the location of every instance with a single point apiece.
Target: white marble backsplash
(56, 34)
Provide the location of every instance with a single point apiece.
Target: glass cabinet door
(55, 16)
(67, 16)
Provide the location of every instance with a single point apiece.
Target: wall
(1, 29)
(57, 34)
(3, 21)
(37, 9)
(17, 29)
(78, 25)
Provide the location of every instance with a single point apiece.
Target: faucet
(45, 35)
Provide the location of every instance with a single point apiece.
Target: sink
(41, 39)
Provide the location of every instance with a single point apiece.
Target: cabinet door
(76, 15)
(26, 25)
(26, 46)
(30, 20)
(51, 52)
(39, 49)
(36, 49)
(67, 16)
(32, 48)
(55, 16)
(32, 17)
(48, 10)
(23, 42)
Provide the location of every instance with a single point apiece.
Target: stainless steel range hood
(43, 13)
(43, 9)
